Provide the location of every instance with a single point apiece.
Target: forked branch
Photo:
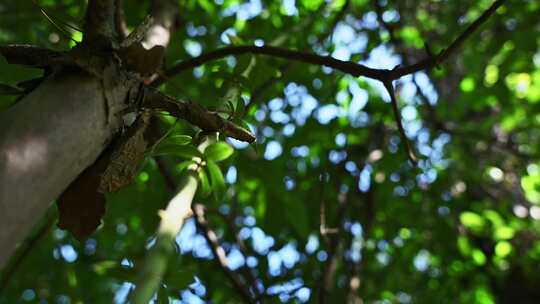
(347, 67)
(433, 61)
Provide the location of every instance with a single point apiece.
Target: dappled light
(298, 151)
(25, 155)
(158, 35)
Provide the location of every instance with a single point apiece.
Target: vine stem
(154, 266)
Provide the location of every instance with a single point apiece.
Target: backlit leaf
(218, 151)
(216, 179)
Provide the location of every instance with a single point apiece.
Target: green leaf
(240, 108)
(504, 233)
(297, 215)
(241, 123)
(411, 36)
(312, 5)
(6, 103)
(162, 296)
(503, 248)
(472, 221)
(235, 40)
(260, 204)
(177, 139)
(9, 90)
(178, 279)
(113, 269)
(216, 179)
(218, 151)
(230, 107)
(479, 258)
(205, 184)
(207, 5)
(243, 62)
(467, 84)
(173, 149)
(232, 94)
(463, 245)
(183, 165)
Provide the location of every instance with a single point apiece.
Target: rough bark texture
(46, 140)
(100, 26)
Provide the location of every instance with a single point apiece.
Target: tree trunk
(46, 140)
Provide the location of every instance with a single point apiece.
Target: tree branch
(195, 114)
(398, 45)
(99, 26)
(120, 20)
(139, 33)
(31, 55)
(431, 61)
(219, 253)
(348, 67)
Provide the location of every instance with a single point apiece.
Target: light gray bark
(46, 140)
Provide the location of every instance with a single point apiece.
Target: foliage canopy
(325, 206)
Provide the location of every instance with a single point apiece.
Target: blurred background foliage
(325, 200)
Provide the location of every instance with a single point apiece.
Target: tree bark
(46, 140)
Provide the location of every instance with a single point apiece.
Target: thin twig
(244, 250)
(397, 43)
(397, 117)
(290, 292)
(334, 252)
(431, 61)
(324, 230)
(368, 212)
(219, 253)
(62, 30)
